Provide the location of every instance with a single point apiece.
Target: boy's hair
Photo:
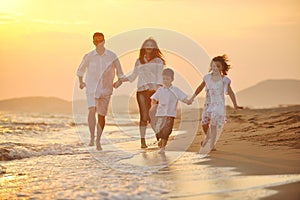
(168, 72)
(97, 34)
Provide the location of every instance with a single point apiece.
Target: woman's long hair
(156, 53)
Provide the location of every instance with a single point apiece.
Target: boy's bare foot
(159, 143)
(162, 150)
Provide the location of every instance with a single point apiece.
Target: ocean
(45, 156)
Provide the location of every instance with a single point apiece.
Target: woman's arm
(133, 75)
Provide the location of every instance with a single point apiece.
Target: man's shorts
(102, 105)
(91, 101)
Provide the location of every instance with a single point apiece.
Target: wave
(13, 151)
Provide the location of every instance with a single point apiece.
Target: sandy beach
(260, 142)
(257, 157)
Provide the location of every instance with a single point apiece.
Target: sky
(43, 42)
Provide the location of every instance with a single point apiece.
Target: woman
(148, 68)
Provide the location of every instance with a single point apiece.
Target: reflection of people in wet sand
(167, 98)
(216, 85)
(100, 66)
(148, 69)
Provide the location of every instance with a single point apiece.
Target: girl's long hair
(224, 61)
(156, 53)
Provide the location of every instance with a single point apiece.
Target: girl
(216, 84)
(148, 68)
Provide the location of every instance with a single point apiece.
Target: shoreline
(259, 142)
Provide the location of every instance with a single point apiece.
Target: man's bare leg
(100, 127)
(92, 124)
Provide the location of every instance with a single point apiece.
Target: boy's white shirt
(167, 100)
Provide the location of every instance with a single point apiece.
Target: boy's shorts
(102, 105)
(164, 126)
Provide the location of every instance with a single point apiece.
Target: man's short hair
(97, 34)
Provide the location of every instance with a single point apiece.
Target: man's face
(98, 40)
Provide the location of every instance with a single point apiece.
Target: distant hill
(36, 104)
(271, 93)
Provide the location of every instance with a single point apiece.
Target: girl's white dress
(214, 110)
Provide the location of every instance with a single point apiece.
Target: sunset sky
(42, 42)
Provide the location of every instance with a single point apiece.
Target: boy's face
(167, 80)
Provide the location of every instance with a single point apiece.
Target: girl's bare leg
(205, 130)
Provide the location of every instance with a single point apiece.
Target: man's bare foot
(91, 143)
(98, 146)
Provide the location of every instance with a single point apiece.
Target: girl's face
(149, 46)
(217, 67)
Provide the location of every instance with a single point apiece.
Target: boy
(167, 98)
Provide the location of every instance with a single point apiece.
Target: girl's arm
(233, 99)
(198, 90)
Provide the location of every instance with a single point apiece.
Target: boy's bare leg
(163, 145)
(92, 124)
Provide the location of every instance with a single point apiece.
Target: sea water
(45, 156)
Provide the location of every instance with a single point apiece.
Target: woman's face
(149, 46)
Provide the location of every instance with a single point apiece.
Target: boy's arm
(154, 102)
(233, 99)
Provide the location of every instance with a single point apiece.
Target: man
(100, 66)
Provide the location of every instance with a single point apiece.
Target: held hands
(189, 101)
(117, 84)
(82, 85)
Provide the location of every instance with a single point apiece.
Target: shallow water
(45, 157)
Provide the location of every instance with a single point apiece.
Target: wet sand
(260, 142)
